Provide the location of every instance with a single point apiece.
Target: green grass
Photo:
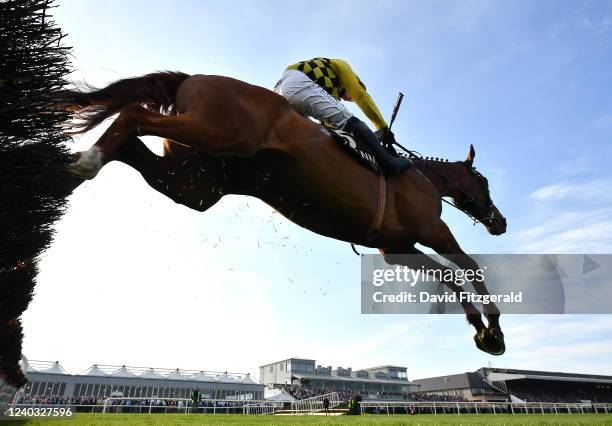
(380, 419)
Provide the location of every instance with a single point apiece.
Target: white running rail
(262, 408)
(314, 404)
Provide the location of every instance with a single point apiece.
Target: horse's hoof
(490, 341)
(479, 338)
(88, 163)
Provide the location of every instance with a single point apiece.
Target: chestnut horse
(225, 136)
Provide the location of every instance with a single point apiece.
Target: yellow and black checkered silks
(321, 72)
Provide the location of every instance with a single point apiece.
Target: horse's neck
(442, 175)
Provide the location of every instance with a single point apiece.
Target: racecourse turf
(380, 419)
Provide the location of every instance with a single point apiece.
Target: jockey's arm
(358, 93)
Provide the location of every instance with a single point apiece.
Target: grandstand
(501, 384)
(48, 381)
(546, 386)
(302, 379)
(299, 386)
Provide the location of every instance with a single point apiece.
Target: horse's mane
(435, 159)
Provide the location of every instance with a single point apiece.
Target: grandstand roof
(248, 380)
(102, 370)
(123, 372)
(176, 375)
(151, 374)
(55, 368)
(202, 377)
(505, 374)
(94, 370)
(225, 378)
(452, 381)
(479, 378)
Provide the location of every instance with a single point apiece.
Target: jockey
(314, 88)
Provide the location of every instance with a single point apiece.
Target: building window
(397, 374)
(302, 367)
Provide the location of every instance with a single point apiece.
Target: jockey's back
(315, 87)
(337, 78)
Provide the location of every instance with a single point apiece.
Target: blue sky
(526, 82)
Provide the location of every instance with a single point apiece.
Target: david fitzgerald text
(464, 296)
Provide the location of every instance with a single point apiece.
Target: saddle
(355, 148)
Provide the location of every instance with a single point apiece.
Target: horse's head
(471, 195)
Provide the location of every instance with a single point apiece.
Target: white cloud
(572, 217)
(593, 190)
(582, 234)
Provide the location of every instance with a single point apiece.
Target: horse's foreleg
(418, 260)
(183, 182)
(445, 244)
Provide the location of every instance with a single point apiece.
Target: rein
(468, 197)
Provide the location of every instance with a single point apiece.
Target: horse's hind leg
(135, 120)
(445, 244)
(182, 181)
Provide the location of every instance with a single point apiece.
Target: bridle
(468, 198)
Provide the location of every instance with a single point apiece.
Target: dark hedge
(34, 183)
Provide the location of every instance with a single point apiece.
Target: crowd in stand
(65, 400)
(427, 397)
(566, 397)
(59, 400)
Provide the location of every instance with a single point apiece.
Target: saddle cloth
(355, 148)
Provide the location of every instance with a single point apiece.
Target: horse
(225, 136)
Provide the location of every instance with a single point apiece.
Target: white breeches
(311, 100)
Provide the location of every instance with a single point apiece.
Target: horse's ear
(471, 155)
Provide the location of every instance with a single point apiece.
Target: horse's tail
(156, 91)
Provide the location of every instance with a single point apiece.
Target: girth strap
(380, 205)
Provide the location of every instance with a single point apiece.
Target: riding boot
(391, 165)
